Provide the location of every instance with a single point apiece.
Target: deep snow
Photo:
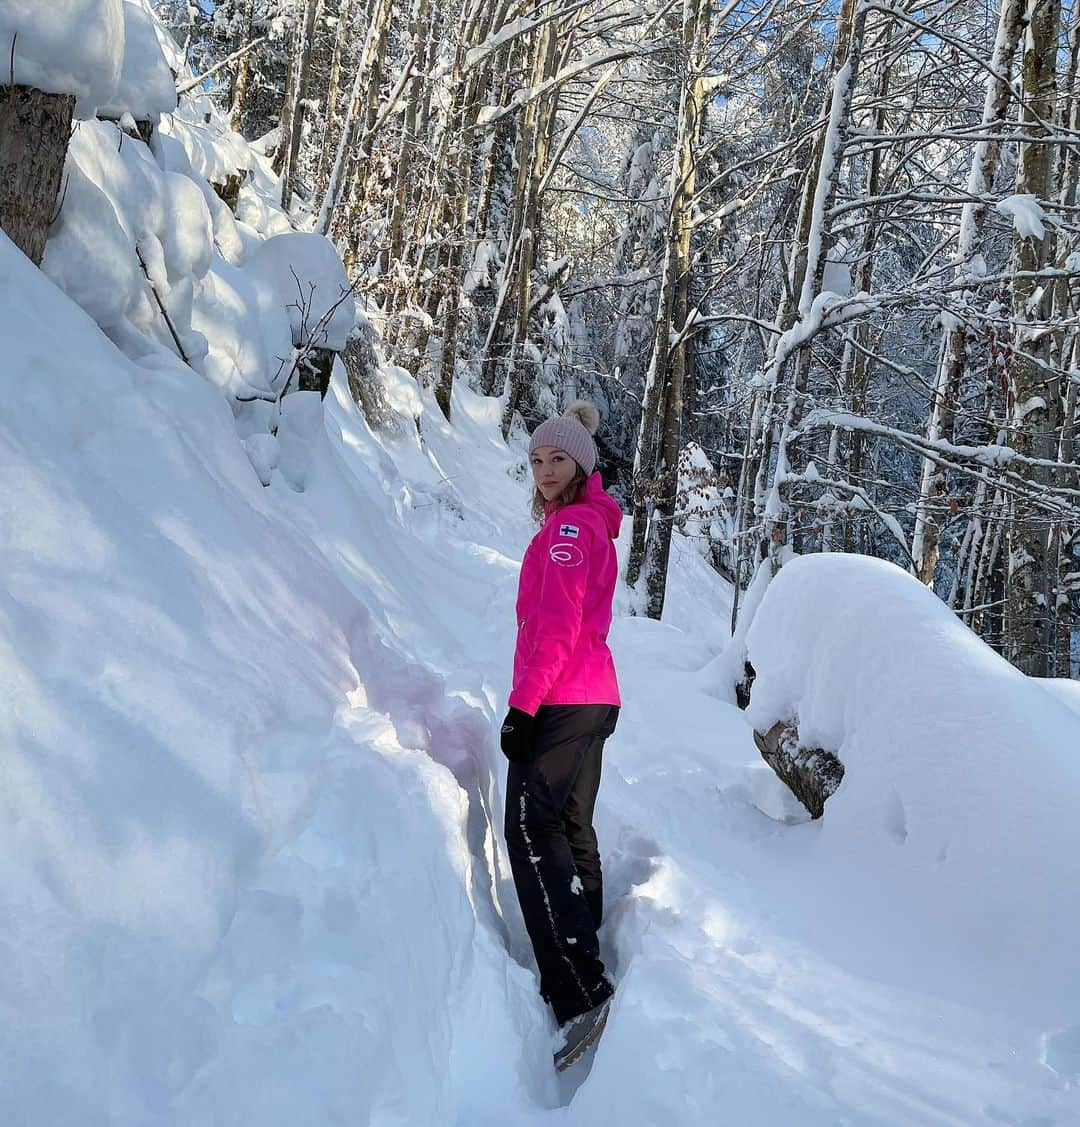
(251, 774)
(250, 788)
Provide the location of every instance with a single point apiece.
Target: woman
(563, 706)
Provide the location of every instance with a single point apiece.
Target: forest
(815, 262)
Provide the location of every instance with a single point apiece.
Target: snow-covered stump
(34, 132)
(138, 129)
(222, 158)
(810, 773)
(307, 281)
(227, 188)
(315, 369)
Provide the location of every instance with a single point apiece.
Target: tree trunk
(403, 187)
(535, 139)
(290, 171)
(812, 253)
(361, 153)
(34, 131)
(288, 102)
(239, 85)
(956, 334)
(753, 475)
(446, 229)
(1067, 576)
(366, 387)
(337, 202)
(654, 509)
(333, 94)
(1029, 613)
(855, 364)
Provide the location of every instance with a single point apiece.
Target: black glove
(517, 735)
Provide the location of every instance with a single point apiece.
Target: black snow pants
(554, 854)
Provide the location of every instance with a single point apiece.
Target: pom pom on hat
(571, 431)
(586, 412)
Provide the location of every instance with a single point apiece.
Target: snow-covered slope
(212, 843)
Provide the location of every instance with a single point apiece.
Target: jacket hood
(596, 497)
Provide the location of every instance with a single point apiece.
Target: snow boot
(581, 1032)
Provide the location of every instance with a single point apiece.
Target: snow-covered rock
(214, 150)
(962, 777)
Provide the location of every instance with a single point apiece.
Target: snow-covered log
(960, 774)
(811, 773)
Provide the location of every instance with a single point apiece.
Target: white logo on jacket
(566, 555)
(569, 530)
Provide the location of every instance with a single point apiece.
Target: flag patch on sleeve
(569, 530)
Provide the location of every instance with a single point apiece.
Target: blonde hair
(567, 497)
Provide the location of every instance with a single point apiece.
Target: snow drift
(962, 779)
(180, 661)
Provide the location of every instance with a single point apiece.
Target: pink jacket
(564, 606)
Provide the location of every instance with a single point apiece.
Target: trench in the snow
(460, 739)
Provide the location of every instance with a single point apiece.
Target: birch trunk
(956, 334)
(817, 202)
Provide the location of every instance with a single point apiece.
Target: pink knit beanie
(571, 431)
